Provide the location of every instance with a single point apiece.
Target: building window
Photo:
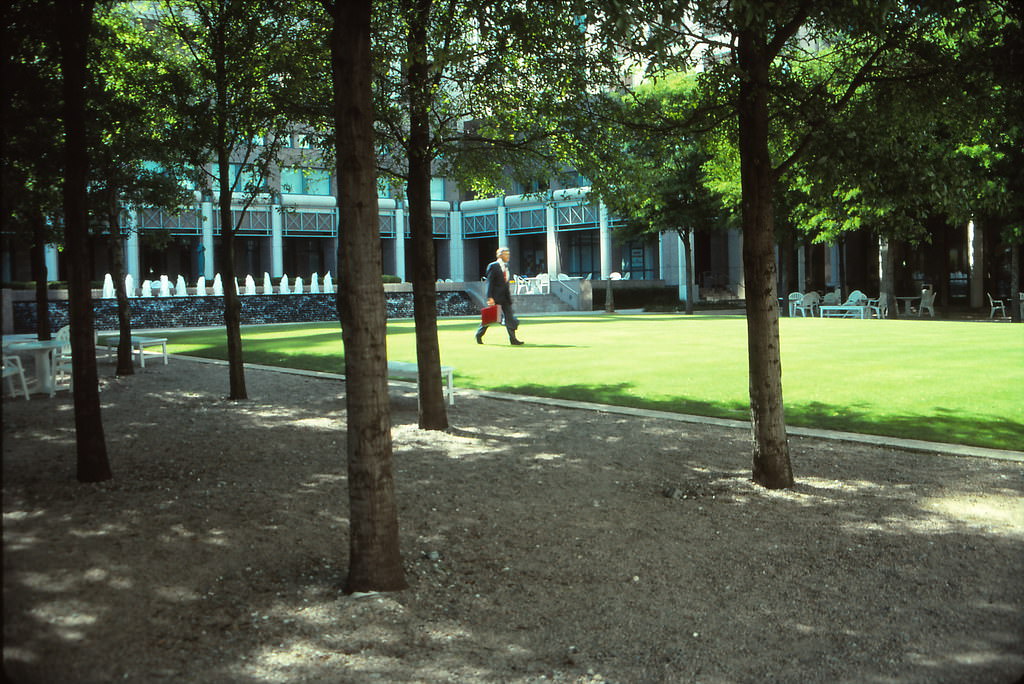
(250, 179)
(305, 182)
(437, 189)
(531, 187)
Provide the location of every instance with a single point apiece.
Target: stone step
(538, 303)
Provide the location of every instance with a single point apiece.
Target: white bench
(139, 345)
(402, 369)
(845, 311)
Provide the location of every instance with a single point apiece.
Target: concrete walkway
(873, 440)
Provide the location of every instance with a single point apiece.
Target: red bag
(488, 315)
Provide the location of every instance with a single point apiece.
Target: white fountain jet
(314, 284)
(108, 287)
(328, 283)
(218, 287)
(284, 285)
(250, 285)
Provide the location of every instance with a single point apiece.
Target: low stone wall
(189, 312)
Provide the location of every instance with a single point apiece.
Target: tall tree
(31, 142)
(432, 412)
(644, 155)
(773, 109)
(137, 143)
(73, 27)
(445, 70)
(253, 62)
(375, 561)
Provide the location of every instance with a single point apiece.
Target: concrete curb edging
(873, 440)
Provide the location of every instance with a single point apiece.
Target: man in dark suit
(499, 293)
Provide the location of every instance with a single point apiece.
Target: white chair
(997, 305)
(13, 369)
(808, 304)
(856, 298)
(60, 361)
(831, 299)
(543, 283)
(794, 299)
(522, 284)
(879, 307)
(927, 302)
(615, 275)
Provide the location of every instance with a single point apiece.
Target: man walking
(499, 293)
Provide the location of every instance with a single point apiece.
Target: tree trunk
(74, 22)
(232, 304)
(125, 366)
(432, 412)
(375, 562)
(38, 256)
(772, 467)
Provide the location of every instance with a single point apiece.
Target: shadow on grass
(945, 425)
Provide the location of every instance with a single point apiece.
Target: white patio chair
(831, 299)
(60, 361)
(543, 283)
(880, 306)
(856, 298)
(997, 305)
(927, 302)
(522, 284)
(808, 304)
(13, 369)
(794, 299)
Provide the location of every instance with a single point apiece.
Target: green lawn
(947, 381)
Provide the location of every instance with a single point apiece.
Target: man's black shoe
(517, 342)
(479, 338)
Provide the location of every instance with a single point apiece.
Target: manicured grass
(947, 381)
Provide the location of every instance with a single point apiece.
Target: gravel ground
(541, 544)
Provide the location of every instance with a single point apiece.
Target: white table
(907, 304)
(42, 352)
